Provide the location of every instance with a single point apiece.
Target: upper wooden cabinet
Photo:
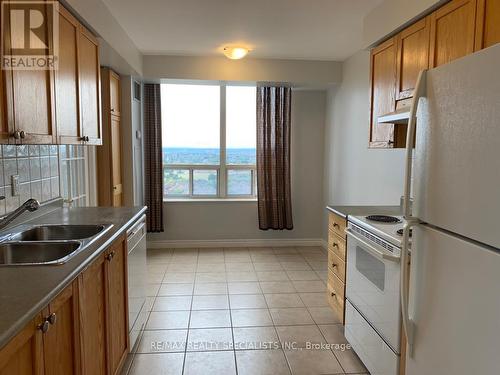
(90, 88)
(487, 23)
(60, 106)
(413, 56)
(383, 84)
(109, 156)
(452, 31)
(67, 82)
(114, 93)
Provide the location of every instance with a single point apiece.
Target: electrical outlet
(15, 185)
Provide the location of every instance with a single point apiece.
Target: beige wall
(223, 221)
(355, 174)
(219, 68)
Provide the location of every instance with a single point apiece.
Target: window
(74, 184)
(209, 141)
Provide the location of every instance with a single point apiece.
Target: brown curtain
(153, 157)
(273, 157)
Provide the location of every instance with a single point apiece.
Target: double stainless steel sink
(46, 244)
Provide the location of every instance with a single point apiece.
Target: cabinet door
(452, 31)
(92, 292)
(118, 343)
(116, 163)
(383, 87)
(23, 355)
(61, 342)
(30, 96)
(413, 56)
(487, 23)
(114, 93)
(90, 87)
(67, 88)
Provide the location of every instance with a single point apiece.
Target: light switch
(15, 185)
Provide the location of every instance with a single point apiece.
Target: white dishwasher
(137, 279)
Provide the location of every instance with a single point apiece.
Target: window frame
(222, 168)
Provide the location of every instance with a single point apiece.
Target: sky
(191, 116)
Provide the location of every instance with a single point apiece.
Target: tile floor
(240, 311)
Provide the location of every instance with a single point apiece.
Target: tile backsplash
(38, 169)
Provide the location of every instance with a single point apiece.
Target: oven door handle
(372, 249)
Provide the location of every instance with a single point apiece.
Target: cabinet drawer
(335, 296)
(336, 265)
(337, 224)
(336, 245)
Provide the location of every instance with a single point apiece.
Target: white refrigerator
(451, 312)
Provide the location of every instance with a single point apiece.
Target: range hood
(400, 116)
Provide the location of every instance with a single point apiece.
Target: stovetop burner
(400, 232)
(383, 218)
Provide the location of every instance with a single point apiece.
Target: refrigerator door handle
(419, 92)
(408, 324)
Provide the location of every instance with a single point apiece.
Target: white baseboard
(237, 243)
(324, 244)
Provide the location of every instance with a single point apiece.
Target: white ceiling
(291, 29)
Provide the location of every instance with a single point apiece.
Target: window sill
(209, 200)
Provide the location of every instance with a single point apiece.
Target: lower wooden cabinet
(61, 342)
(92, 284)
(104, 312)
(336, 264)
(116, 273)
(84, 330)
(49, 344)
(24, 353)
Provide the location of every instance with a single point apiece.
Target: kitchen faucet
(30, 205)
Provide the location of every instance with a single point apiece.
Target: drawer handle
(44, 327)
(334, 265)
(52, 319)
(335, 225)
(333, 294)
(335, 244)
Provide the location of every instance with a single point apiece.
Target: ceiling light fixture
(235, 53)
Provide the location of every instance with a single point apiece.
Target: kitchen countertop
(346, 211)
(26, 290)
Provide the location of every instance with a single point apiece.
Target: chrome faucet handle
(31, 205)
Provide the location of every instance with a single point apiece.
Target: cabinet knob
(110, 255)
(44, 327)
(22, 134)
(52, 319)
(334, 265)
(335, 244)
(335, 225)
(16, 134)
(333, 294)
